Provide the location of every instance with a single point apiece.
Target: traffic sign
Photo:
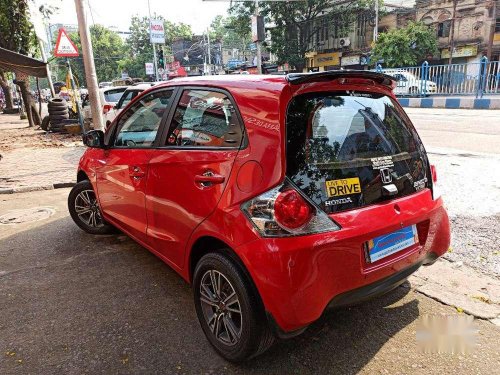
(156, 31)
(150, 70)
(64, 46)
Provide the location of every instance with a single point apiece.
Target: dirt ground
(15, 133)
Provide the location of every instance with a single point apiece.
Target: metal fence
(481, 78)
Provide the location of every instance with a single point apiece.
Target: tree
(16, 34)
(233, 32)
(405, 47)
(138, 48)
(108, 50)
(295, 27)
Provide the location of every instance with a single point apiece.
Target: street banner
(150, 69)
(64, 46)
(157, 32)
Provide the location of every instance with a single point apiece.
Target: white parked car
(128, 95)
(409, 84)
(109, 97)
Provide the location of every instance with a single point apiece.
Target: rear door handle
(209, 178)
(136, 172)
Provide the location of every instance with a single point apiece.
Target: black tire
(82, 189)
(57, 106)
(45, 123)
(57, 101)
(251, 324)
(58, 117)
(53, 112)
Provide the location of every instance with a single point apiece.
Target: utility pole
(47, 67)
(258, 43)
(155, 63)
(375, 29)
(492, 30)
(209, 54)
(452, 32)
(88, 62)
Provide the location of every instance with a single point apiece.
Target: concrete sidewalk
(30, 169)
(31, 159)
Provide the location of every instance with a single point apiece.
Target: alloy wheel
(221, 307)
(87, 209)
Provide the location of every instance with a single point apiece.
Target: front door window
(138, 126)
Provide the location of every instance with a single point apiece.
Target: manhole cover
(27, 215)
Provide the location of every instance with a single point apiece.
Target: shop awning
(17, 63)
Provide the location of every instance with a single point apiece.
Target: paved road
(461, 129)
(465, 147)
(73, 303)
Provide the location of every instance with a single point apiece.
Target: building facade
(475, 24)
(336, 44)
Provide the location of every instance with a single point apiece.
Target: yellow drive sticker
(344, 186)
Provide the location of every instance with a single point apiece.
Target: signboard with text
(327, 59)
(157, 32)
(349, 60)
(461, 51)
(150, 69)
(64, 46)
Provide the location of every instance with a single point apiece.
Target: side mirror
(94, 138)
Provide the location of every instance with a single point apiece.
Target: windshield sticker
(382, 162)
(420, 184)
(344, 186)
(335, 202)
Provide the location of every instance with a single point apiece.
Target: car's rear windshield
(112, 96)
(351, 149)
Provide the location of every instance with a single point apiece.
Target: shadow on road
(74, 303)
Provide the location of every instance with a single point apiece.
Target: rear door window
(347, 150)
(113, 96)
(205, 118)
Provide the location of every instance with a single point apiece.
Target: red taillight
(106, 108)
(436, 192)
(434, 174)
(291, 210)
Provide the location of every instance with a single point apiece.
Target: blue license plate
(391, 243)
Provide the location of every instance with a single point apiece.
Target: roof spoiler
(380, 78)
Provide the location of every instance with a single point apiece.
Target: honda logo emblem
(385, 175)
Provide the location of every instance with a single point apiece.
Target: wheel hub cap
(221, 307)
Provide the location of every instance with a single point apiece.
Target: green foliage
(405, 47)
(138, 48)
(108, 50)
(232, 31)
(16, 31)
(289, 36)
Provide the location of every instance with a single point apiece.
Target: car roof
(229, 80)
(141, 86)
(105, 89)
(277, 82)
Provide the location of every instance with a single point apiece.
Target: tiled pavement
(27, 169)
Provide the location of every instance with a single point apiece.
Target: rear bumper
(299, 277)
(373, 290)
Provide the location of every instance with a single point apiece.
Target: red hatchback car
(277, 197)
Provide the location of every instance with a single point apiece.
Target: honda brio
(276, 197)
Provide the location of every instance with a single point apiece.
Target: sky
(196, 13)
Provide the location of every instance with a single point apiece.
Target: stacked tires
(58, 115)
